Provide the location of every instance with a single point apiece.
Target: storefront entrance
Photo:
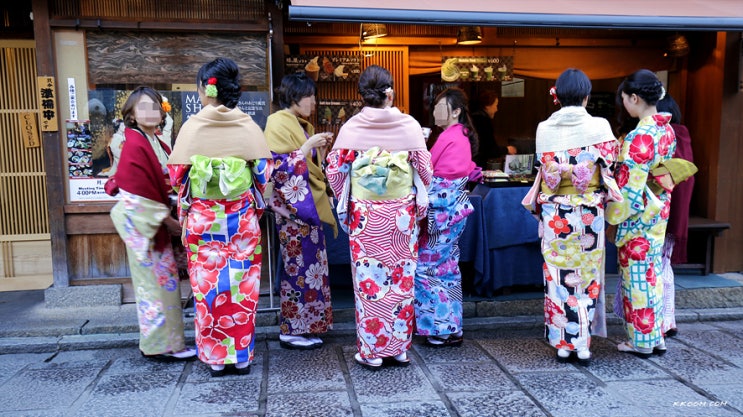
(25, 244)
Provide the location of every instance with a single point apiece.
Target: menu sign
(476, 68)
(341, 68)
(336, 112)
(252, 103)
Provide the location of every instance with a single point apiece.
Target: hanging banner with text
(476, 68)
(48, 103)
(342, 68)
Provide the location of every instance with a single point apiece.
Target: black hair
(228, 80)
(127, 111)
(373, 84)
(572, 86)
(457, 99)
(645, 84)
(487, 97)
(668, 104)
(295, 87)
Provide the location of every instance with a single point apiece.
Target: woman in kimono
(379, 169)
(220, 166)
(301, 203)
(642, 215)
(142, 219)
(438, 281)
(575, 156)
(677, 232)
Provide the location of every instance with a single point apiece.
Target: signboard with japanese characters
(322, 68)
(48, 103)
(476, 68)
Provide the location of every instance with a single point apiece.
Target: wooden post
(52, 146)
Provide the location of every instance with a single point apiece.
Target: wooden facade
(86, 250)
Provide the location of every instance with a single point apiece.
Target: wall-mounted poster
(476, 68)
(340, 68)
(336, 112)
(252, 103)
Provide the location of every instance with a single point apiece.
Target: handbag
(111, 187)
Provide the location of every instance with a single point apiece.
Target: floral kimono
(438, 280)
(301, 205)
(642, 219)
(575, 155)
(138, 217)
(382, 196)
(220, 204)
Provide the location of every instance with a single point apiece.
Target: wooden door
(25, 244)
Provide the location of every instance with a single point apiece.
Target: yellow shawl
(219, 132)
(285, 134)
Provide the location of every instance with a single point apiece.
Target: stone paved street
(496, 372)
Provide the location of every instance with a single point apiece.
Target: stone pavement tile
(128, 395)
(609, 364)
(134, 364)
(469, 351)
(471, 377)
(730, 392)
(574, 393)
(36, 413)
(712, 340)
(692, 364)
(88, 359)
(704, 408)
(389, 384)
(199, 371)
(733, 326)
(10, 364)
(34, 389)
(405, 409)
(223, 397)
(293, 371)
(523, 355)
(316, 404)
(495, 403)
(661, 394)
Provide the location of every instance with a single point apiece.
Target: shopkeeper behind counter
(482, 120)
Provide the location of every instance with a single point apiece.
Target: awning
(713, 15)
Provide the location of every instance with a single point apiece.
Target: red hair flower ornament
(553, 93)
(211, 87)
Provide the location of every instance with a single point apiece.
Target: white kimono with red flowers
(642, 219)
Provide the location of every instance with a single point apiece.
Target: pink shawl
(388, 128)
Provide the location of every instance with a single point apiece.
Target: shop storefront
(96, 52)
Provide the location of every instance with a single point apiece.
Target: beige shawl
(572, 127)
(219, 132)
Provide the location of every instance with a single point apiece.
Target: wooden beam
(52, 145)
(105, 24)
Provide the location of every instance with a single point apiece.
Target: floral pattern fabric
(642, 219)
(223, 242)
(304, 285)
(438, 280)
(576, 184)
(154, 274)
(383, 235)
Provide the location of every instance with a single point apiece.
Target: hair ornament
(165, 105)
(553, 93)
(211, 87)
(388, 90)
(662, 93)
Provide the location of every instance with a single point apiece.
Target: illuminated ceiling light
(469, 35)
(373, 31)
